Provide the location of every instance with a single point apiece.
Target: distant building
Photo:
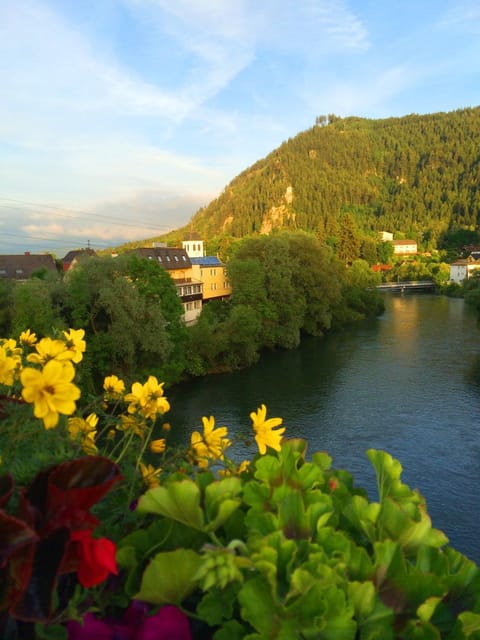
(385, 236)
(22, 267)
(213, 273)
(73, 257)
(179, 267)
(404, 247)
(463, 268)
(194, 248)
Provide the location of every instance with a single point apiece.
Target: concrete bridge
(411, 286)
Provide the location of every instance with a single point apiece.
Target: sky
(119, 119)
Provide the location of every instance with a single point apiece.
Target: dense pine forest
(416, 176)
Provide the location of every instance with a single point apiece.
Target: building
(22, 267)
(213, 274)
(463, 268)
(73, 257)
(179, 267)
(194, 247)
(385, 236)
(404, 247)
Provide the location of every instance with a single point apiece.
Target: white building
(462, 269)
(194, 248)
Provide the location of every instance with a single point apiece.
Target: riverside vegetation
(283, 285)
(108, 532)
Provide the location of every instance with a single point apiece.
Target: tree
(348, 248)
(36, 305)
(130, 312)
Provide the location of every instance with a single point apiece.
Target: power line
(90, 214)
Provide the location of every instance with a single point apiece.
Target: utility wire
(76, 213)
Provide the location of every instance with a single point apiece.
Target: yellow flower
(79, 426)
(264, 433)
(48, 349)
(131, 423)
(114, 386)
(75, 343)
(166, 426)
(10, 346)
(148, 399)
(50, 390)
(158, 446)
(243, 466)
(211, 445)
(88, 443)
(150, 475)
(28, 338)
(8, 366)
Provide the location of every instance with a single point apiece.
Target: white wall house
(385, 236)
(463, 268)
(404, 247)
(194, 248)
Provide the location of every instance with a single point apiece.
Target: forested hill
(417, 176)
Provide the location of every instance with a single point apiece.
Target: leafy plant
(292, 549)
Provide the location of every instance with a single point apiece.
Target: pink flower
(169, 623)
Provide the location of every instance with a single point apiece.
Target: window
(225, 284)
(18, 271)
(3, 272)
(188, 306)
(176, 258)
(184, 258)
(197, 304)
(213, 272)
(197, 288)
(168, 258)
(213, 286)
(188, 290)
(159, 258)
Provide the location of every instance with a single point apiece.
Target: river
(407, 382)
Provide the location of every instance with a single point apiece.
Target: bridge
(410, 286)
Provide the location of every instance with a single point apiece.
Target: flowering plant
(280, 546)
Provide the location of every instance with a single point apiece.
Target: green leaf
(292, 518)
(221, 501)
(363, 516)
(470, 624)
(258, 606)
(217, 605)
(375, 620)
(51, 632)
(168, 578)
(388, 471)
(411, 534)
(231, 630)
(323, 460)
(179, 501)
(268, 469)
(426, 610)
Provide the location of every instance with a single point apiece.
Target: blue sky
(120, 118)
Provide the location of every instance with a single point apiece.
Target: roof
(78, 253)
(168, 257)
(398, 242)
(207, 261)
(21, 267)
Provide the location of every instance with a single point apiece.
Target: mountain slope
(411, 175)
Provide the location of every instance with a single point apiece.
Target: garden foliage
(127, 537)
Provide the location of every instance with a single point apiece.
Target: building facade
(179, 267)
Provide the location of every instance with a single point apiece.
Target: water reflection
(406, 383)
